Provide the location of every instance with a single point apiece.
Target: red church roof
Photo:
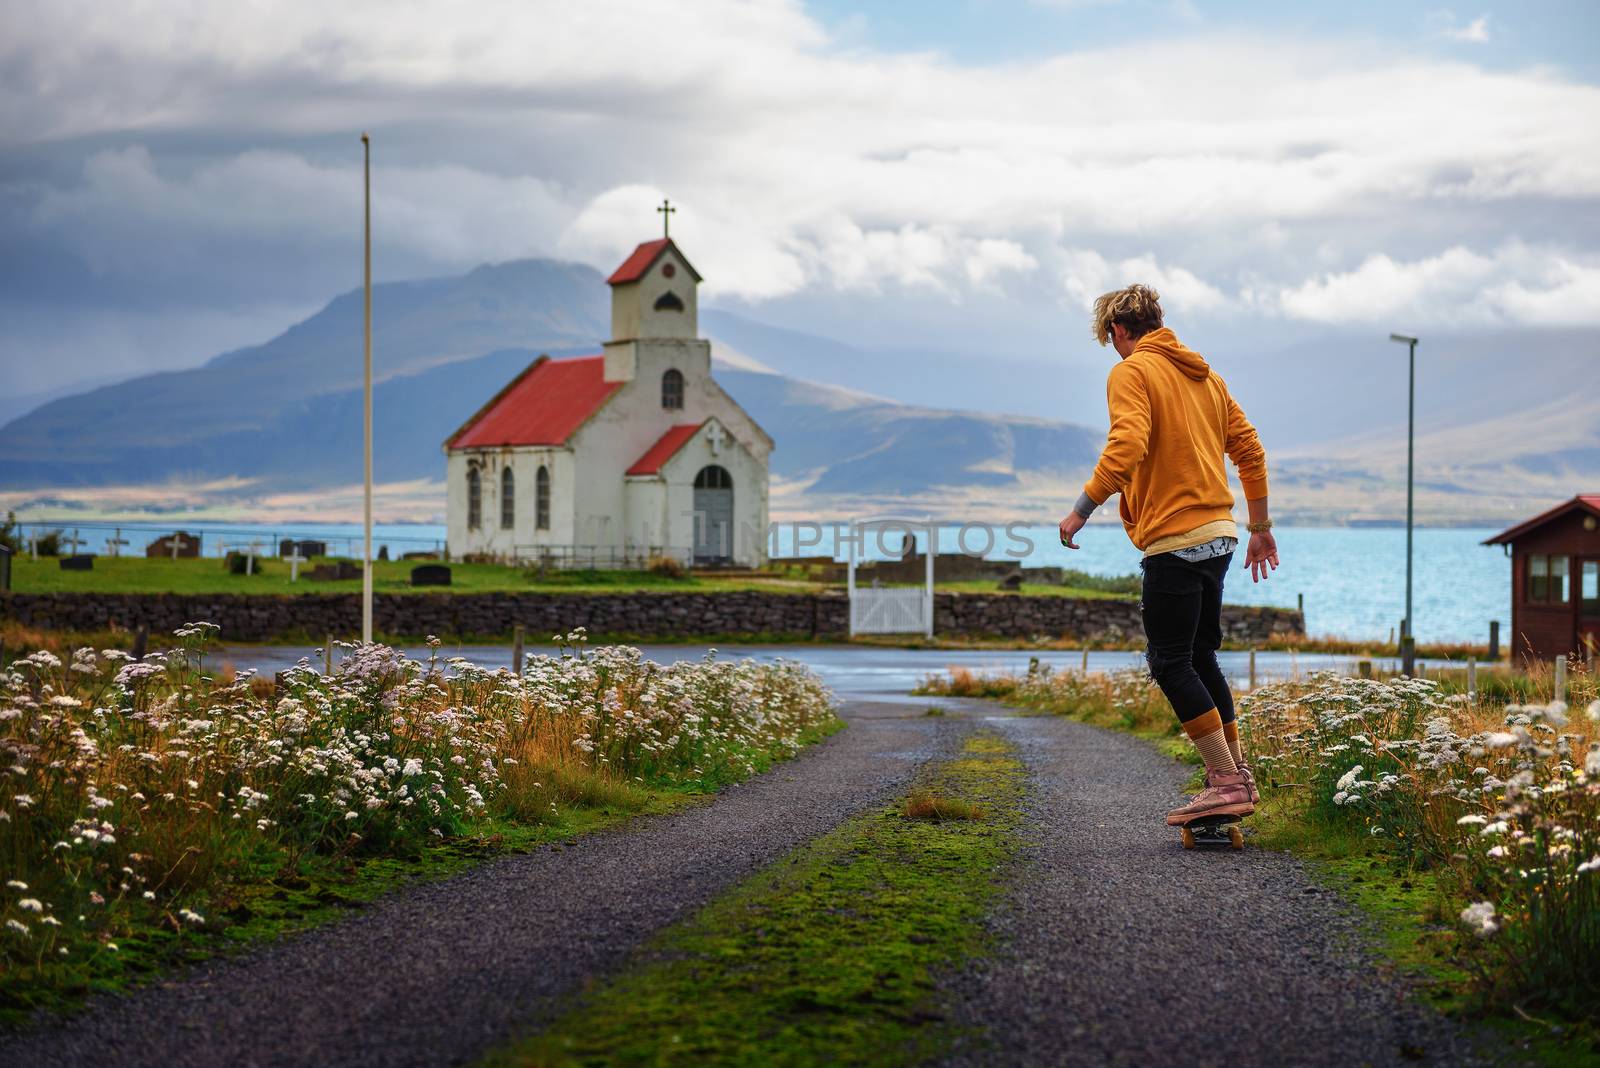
(665, 448)
(643, 258)
(541, 406)
(1589, 501)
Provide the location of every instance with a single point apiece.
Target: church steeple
(653, 293)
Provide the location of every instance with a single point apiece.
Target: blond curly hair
(1138, 308)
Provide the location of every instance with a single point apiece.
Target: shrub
(667, 567)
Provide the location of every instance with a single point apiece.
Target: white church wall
(645, 514)
(490, 537)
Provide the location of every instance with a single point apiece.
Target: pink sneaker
(1225, 795)
(1249, 780)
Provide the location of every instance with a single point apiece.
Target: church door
(713, 516)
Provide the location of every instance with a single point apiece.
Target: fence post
(1560, 688)
(327, 655)
(516, 649)
(1252, 669)
(1472, 678)
(1494, 639)
(1364, 669)
(1086, 660)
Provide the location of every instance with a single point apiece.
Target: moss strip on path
(826, 957)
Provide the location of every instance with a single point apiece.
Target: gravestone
(422, 554)
(338, 571)
(303, 547)
(383, 552)
(430, 575)
(80, 562)
(1012, 582)
(178, 544)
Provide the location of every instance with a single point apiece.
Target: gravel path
(440, 974)
(1120, 947)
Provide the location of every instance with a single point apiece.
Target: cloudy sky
(178, 177)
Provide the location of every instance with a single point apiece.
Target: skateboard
(1212, 831)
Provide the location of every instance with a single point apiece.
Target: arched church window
(672, 389)
(713, 477)
(541, 499)
(474, 499)
(508, 499)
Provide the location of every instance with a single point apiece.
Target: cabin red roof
(1587, 501)
(643, 258)
(665, 448)
(541, 406)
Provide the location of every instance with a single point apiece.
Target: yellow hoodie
(1171, 421)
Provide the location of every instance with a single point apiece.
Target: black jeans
(1182, 610)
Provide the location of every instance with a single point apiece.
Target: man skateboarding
(1172, 420)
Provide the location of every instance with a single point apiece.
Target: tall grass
(134, 790)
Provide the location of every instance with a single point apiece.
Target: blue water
(1352, 579)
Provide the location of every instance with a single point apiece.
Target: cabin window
(541, 499)
(508, 499)
(1589, 587)
(474, 499)
(1538, 577)
(672, 389)
(1549, 579)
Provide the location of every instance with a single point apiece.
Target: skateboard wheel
(1188, 837)
(1236, 836)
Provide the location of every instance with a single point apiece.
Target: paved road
(1118, 947)
(447, 971)
(1115, 946)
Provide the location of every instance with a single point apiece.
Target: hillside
(284, 418)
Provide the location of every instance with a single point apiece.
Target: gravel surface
(442, 973)
(1118, 946)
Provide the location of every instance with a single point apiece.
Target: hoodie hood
(1164, 342)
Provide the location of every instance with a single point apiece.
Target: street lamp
(1408, 641)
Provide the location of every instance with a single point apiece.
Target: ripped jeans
(1182, 611)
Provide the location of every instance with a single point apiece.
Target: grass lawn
(137, 574)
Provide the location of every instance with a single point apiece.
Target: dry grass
(924, 804)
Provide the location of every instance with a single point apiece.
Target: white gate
(897, 609)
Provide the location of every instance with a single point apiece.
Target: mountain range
(854, 433)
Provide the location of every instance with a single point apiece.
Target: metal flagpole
(366, 388)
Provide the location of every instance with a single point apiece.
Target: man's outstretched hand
(1070, 526)
(1261, 557)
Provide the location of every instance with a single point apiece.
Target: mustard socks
(1230, 731)
(1216, 748)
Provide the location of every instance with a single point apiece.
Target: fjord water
(1353, 578)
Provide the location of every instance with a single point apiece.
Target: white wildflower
(1480, 918)
(1349, 778)
(1592, 864)
(16, 884)
(1465, 821)
(20, 928)
(1500, 740)
(30, 904)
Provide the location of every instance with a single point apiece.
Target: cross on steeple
(667, 211)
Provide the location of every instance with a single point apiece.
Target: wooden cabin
(1555, 580)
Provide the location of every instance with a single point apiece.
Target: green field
(137, 574)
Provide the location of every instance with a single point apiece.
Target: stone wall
(644, 616)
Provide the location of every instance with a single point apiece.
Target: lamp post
(366, 388)
(1408, 641)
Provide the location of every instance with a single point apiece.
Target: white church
(610, 459)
